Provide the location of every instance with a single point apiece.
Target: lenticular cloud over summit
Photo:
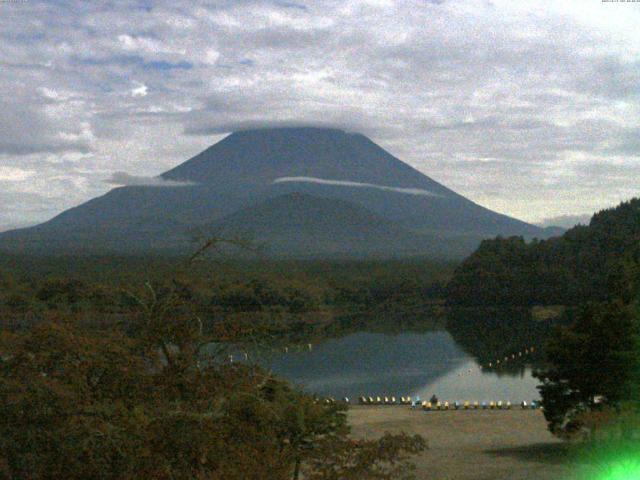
(349, 183)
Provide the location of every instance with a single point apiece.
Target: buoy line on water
(438, 406)
(496, 363)
(298, 348)
(513, 356)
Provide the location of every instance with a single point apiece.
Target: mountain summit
(256, 158)
(245, 183)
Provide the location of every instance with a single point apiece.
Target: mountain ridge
(242, 171)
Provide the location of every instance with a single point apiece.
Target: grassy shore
(479, 445)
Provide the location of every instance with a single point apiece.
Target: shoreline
(472, 444)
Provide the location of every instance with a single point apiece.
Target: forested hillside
(590, 382)
(116, 369)
(587, 263)
(290, 296)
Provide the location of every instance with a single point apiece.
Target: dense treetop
(587, 263)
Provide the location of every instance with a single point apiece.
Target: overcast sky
(531, 108)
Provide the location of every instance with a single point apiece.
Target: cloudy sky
(531, 108)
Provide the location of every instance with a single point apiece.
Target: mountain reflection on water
(419, 363)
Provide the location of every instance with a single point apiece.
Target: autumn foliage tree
(150, 400)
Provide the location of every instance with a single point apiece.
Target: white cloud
(140, 90)
(211, 56)
(529, 109)
(349, 183)
(146, 45)
(124, 179)
(49, 93)
(13, 174)
(26, 129)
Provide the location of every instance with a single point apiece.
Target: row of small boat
(429, 406)
(387, 400)
(467, 405)
(499, 405)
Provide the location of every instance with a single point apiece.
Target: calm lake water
(399, 364)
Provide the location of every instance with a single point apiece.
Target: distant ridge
(244, 171)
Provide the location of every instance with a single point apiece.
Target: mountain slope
(257, 157)
(251, 161)
(248, 168)
(302, 225)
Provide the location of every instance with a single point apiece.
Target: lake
(399, 364)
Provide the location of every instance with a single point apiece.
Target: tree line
(587, 264)
(591, 378)
(111, 376)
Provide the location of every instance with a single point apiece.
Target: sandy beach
(479, 445)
